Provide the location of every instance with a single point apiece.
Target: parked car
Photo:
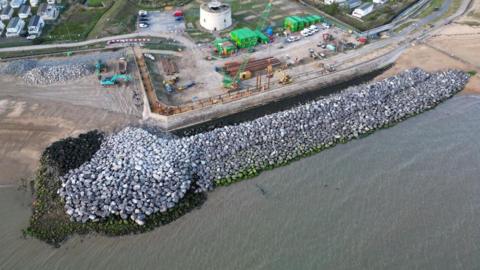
(313, 28)
(143, 25)
(143, 20)
(149, 56)
(305, 33)
(142, 13)
(31, 37)
(326, 25)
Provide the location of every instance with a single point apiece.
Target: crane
(232, 83)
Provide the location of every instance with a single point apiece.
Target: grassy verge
(452, 9)
(432, 6)
(403, 26)
(50, 223)
(158, 43)
(119, 19)
(94, 3)
(53, 51)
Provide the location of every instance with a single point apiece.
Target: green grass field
(94, 3)
(75, 24)
(119, 19)
(434, 4)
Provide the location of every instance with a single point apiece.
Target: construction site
(171, 81)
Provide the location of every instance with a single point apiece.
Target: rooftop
(215, 7)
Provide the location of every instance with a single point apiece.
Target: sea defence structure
(136, 173)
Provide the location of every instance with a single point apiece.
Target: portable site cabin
(295, 23)
(244, 37)
(261, 37)
(224, 46)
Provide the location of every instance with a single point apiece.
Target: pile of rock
(45, 75)
(135, 173)
(18, 68)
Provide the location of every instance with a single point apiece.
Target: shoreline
(121, 227)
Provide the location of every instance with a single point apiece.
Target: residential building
(47, 12)
(34, 3)
(35, 25)
(15, 27)
(17, 3)
(24, 11)
(352, 4)
(2, 27)
(6, 13)
(4, 4)
(329, 2)
(363, 10)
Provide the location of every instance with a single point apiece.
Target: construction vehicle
(99, 68)
(327, 37)
(186, 85)
(284, 78)
(122, 65)
(233, 83)
(115, 79)
(171, 80)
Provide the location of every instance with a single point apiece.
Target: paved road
(187, 42)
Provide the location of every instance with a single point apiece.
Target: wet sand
(403, 198)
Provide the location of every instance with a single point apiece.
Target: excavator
(115, 79)
(284, 78)
(99, 68)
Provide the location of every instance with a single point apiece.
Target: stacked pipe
(253, 65)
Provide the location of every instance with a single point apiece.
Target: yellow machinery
(284, 78)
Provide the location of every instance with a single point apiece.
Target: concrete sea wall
(136, 173)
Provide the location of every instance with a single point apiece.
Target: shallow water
(403, 198)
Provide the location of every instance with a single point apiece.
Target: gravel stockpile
(135, 173)
(48, 71)
(53, 74)
(18, 68)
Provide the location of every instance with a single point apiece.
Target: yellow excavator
(284, 78)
